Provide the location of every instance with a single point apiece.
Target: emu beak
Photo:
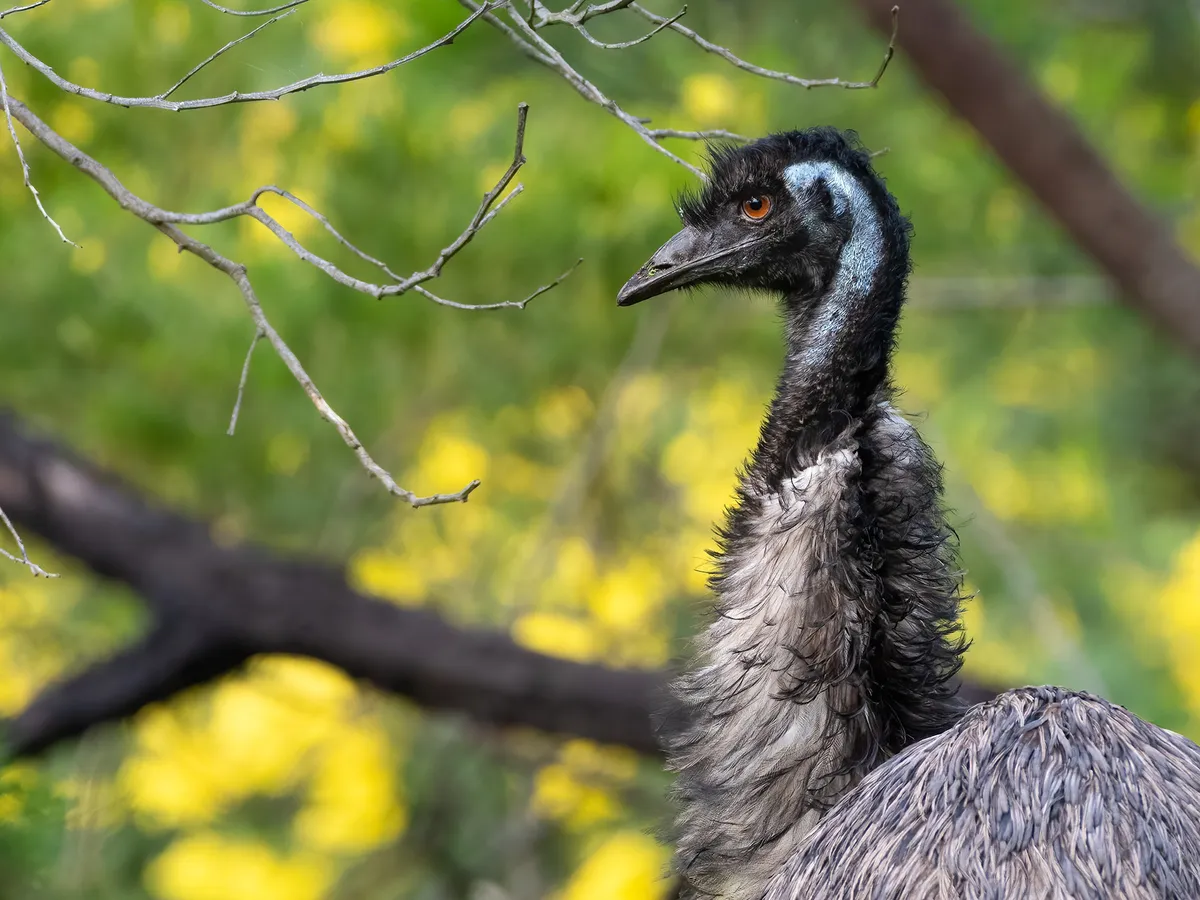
(684, 259)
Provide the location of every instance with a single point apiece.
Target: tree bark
(1044, 149)
(215, 606)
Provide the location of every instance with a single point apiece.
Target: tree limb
(226, 603)
(216, 605)
(1043, 148)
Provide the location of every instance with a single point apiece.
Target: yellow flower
(449, 461)
(627, 865)
(73, 122)
(172, 22)
(709, 99)
(625, 597)
(562, 413)
(359, 32)
(354, 803)
(209, 867)
(557, 635)
(1179, 604)
(559, 794)
(390, 575)
(991, 658)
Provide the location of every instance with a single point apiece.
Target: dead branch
(215, 606)
(1046, 151)
(159, 101)
(167, 222)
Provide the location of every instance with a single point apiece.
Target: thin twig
(163, 221)
(715, 134)
(20, 9)
(25, 165)
(245, 37)
(624, 45)
(786, 77)
(241, 391)
(488, 209)
(548, 55)
(303, 84)
(505, 304)
(248, 12)
(23, 559)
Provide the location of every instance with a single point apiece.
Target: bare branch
(487, 210)
(505, 304)
(623, 45)
(20, 9)
(216, 605)
(24, 557)
(547, 55)
(485, 213)
(241, 391)
(715, 134)
(37, 198)
(524, 33)
(303, 84)
(740, 63)
(245, 37)
(164, 221)
(247, 12)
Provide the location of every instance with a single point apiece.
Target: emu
(822, 751)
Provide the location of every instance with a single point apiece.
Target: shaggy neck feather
(835, 637)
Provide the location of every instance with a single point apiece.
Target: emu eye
(756, 207)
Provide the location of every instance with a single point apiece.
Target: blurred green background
(606, 439)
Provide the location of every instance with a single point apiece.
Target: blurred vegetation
(606, 440)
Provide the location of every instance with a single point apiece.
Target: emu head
(775, 215)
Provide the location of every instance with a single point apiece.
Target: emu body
(823, 753)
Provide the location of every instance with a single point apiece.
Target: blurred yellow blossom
(602, 760)
(920, 377)
(1003, 215)
(709, 99)
(73, 121)
(163, 258)
(559, 794)
(627, 865)
(627, 595)
(470, 118)
(254, 736)
(90, 256)
(448, 460)
(359, 32)
(207, 866)
(172, 22)
(353, 799)
(578, 789)
(84, 70)
(394, 576)
(562, 413)
(557, 635)
(992, 659)
(1063, 487)
(1179, 607)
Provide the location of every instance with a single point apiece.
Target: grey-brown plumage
(819, 746)
(1041, 793)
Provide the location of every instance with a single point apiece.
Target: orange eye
(756, 207)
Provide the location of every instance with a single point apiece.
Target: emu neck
(835, 638)
(840, 336)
